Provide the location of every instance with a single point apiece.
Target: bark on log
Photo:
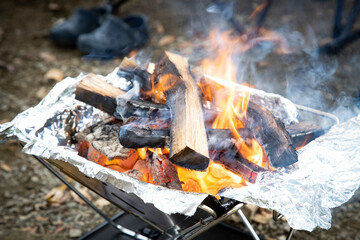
(98, 93)
(188, 147)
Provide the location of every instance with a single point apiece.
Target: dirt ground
(27, 54)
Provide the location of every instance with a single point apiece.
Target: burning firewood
(271, 133)
(128, 108)
(188, 146)
(188, 139)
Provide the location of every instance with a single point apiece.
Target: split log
(271, 134)
(98, 93)
(188, 147)
(162, 172)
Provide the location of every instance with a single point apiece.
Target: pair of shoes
(99, 33)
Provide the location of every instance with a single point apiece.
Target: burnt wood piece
(162, 172)
(129, 70)
(98, 93)
(271, 134)
(237, 164)
(134, 137)
(188, 147)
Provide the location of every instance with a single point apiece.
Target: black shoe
(115, 37)
(82, 21)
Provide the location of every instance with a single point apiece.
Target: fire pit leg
(248, 225)
(291, 233)
(121, 229)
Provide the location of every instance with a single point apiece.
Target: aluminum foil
(326, 176)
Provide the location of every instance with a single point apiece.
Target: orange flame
(215, 178)
(157, 92)
(232, 104)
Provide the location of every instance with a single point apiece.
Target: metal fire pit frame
(176, 226)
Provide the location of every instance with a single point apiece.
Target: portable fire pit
(155, 224)
(152, 170)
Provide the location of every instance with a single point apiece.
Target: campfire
(199, 135)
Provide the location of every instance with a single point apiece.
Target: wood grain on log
(188, 146)
(98, 93)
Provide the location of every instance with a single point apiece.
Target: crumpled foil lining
(326, 176)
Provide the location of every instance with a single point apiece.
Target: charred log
(133, 137)
(271, 134)
(303, 132)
